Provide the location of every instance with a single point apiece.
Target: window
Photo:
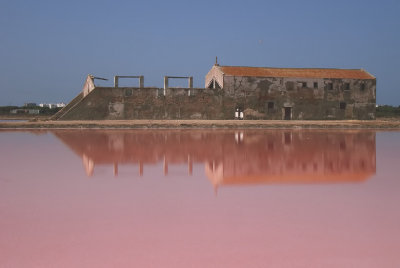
(315, 84)
(342, 105)
(290, 85)
(269, 107)
(214, 85)
(329, 86)
(128, 92)
(346, 86)
(304, 84)
(362, 87)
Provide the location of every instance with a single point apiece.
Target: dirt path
(134, 124)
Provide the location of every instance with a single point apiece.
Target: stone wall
(151, 103)
(304, 98)
(258, 98)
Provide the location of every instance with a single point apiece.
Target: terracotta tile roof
(296, 72)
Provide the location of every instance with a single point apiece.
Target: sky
(47, 48)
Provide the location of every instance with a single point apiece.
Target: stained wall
(151, 103)
(258, 97)
(307, 98)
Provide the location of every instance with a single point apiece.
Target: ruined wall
(304, 98)
(150, 103)
(88, 86)
(257, 97)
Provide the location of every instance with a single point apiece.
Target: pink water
(199, 198)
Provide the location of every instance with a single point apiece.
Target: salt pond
(199, 198)
(13, 120)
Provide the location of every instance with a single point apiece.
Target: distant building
(60, 105)
(30, 104)
(52, 105)
(297, 93)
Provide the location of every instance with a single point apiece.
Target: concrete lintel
(129, 76)
(140, 77)
(190, 80)
(184, 77)
(288, 104)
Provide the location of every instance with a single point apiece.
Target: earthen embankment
(232, 124)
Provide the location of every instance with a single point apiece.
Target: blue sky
(48, 47)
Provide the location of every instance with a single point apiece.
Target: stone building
(230, 91)
(296, 93)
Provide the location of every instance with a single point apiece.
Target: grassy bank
(387, 111)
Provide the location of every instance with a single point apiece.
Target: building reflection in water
(234, 157)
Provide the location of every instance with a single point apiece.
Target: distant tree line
(6, 110)
(48, 111)
(387, 111)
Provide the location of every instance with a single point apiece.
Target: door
(288, 113)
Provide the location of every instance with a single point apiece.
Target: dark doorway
(288, 113)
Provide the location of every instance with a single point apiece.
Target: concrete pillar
(115, 81)
(141, 81)
(191, 82)
(165, 82)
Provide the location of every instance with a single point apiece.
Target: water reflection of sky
(145, 198)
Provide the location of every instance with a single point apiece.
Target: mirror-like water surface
(199, 198)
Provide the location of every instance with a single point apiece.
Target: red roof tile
(296, 72)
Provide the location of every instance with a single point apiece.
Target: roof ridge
(309, 68)
(362, 69)
(296, 72)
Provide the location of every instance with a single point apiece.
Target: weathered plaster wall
(150, 103)
(259, 98)
(253, 94)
